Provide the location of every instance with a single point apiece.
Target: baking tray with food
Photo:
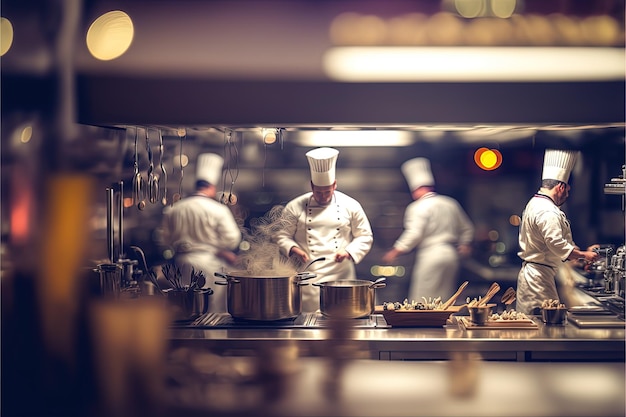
(429, 313)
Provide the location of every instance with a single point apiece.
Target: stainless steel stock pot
(264, 297)
(348, 299)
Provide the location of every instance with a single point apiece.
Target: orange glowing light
(488, 159)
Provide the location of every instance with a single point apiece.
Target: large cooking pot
(348, 299)
(264, 297)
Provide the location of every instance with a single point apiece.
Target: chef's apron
(535, 284)
(434, 272)
(323, 239)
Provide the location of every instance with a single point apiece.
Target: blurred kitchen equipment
(110, 280)
(479, 314)
(615, 270)
(138, 181)
(188, 305)
(177, 196)
(153, 180)
(117, 255)
(163, 171)
(264, 297)
(456, 295)
(148, 271)
(554, 316)
(348, 298)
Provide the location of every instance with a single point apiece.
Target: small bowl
(480, 314)
(554, 316)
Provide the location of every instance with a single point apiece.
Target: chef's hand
(390, 256)
(464, 250)
(228, 256)
(299, 253)
(588, 256)
(342, 255)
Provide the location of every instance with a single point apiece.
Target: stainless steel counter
(546, 343)
(461, 387)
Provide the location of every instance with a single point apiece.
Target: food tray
(499, 324)
(417, 318)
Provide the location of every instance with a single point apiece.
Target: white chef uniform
(198, 227)
(545, 238)
(433, 225)
(322, 231)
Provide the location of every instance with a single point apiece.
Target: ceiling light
(354, 138)
(414, 64)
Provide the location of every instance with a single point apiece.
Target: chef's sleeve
(556, 232)
(284, 237)
(362, 236)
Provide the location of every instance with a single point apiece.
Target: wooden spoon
(452, 299)
(493, 290)
(508, 297)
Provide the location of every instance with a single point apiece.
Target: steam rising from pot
(264, 257)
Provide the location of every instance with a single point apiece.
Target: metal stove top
(305, 320)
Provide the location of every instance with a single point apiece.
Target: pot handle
(318, 284)
(226, 277)
(379, 283)
(305, 275)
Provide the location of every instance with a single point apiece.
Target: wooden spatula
(493, 290)
(452, 299)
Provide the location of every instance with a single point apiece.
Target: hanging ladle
(138, 182)
(163, 171)
(153, 180)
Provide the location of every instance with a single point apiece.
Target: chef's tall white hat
(417, 173)
(209, 168)
(322, 162)
(558, 164)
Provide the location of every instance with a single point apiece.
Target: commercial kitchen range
(585, 337)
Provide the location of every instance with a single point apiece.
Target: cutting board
(499, 324)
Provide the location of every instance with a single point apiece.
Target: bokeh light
(488, 159)
(6, 35)
(110, 35)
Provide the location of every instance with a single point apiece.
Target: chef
(545, 237)
(324, 223)
(202, 232)
(440, 231)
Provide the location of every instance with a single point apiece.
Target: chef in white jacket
(545, 237)
(201, 231)
(440, 231)
(324, 223)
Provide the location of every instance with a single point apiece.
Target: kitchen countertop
(567, 342)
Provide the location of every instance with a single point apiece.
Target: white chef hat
(417, 173)
(209, 168)
(322, 162)
(558, 164)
